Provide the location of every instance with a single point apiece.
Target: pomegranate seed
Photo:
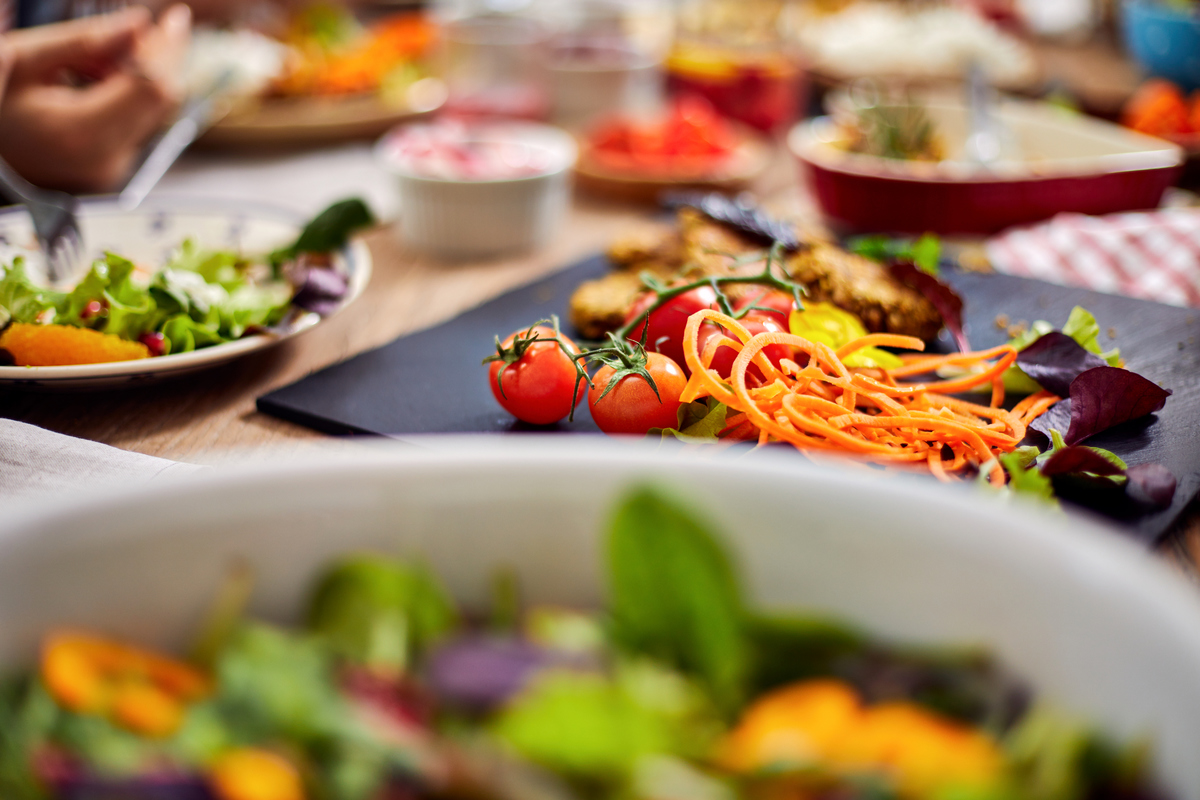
(93, 308)
(154, 341)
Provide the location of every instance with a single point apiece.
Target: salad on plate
(200, 298)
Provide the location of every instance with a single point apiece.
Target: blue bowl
(1164, 41)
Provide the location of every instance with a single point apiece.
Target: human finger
(125, 109)
(6, 63)
(161, 49)
(92, 45)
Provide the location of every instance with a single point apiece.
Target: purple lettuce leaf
(479, 671)
(1150, 485)
(321, 291)
(1106, 396)
(1054, 360)
(1078, 459)
(944, 299)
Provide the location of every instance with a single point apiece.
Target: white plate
(148, 235)
(1092, 621)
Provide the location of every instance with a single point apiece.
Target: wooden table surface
(206, 417)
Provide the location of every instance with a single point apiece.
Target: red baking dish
(1067, 162)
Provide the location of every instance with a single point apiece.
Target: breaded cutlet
(600, 306)
(864, 288)
(705, 247)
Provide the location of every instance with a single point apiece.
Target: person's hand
(83, 97)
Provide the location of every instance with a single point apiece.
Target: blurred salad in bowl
(679, 688)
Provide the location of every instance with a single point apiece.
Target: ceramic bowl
(1096, 624)
(1066, 163)
(459, 219)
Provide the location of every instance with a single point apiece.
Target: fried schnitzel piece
(657, 244)
(700, 246)
(600, 306)
(864, 288)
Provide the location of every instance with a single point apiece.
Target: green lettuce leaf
(925, 252)
(91, 288)
(254, 306)
(599, 727)
(1056, 757)
(277, 686)
(215, 266)
(131, 309)
(182, 334)
(699, 421)
(21, 298)
(1081, 326)
(1027, 481)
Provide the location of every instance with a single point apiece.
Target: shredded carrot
(827, 406)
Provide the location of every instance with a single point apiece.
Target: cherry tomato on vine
(756, 322)
(664, 329)
(774, 302)
(536, 380)
(631, 406)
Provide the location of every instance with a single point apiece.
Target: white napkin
(37, 463)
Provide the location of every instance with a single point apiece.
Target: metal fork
(54, 222)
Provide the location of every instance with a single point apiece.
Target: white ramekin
(458, 219)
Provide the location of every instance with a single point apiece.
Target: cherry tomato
(632, 406)
(537, 388)
(756, 322)
(774, 302)
(666, 324)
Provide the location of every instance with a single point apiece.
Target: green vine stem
(767, 278)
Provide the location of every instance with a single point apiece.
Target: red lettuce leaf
(1150, 485)
(1057, 417)
(1054, 360)
(944, 299)
(1106, 396)
(1077, 459)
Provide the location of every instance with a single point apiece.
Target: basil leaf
(329, 230)
(674, 595)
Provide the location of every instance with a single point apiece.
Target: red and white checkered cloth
(1153, 255)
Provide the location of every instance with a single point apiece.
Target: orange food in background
(361, 66)
(252, 774)
(64, 345)
(691, 138)
(1159, 108)
(139, 690)
(825, 722)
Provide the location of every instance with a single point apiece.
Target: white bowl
(480, 218)
(1093, 622)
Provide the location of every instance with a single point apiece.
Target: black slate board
(406, 387)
